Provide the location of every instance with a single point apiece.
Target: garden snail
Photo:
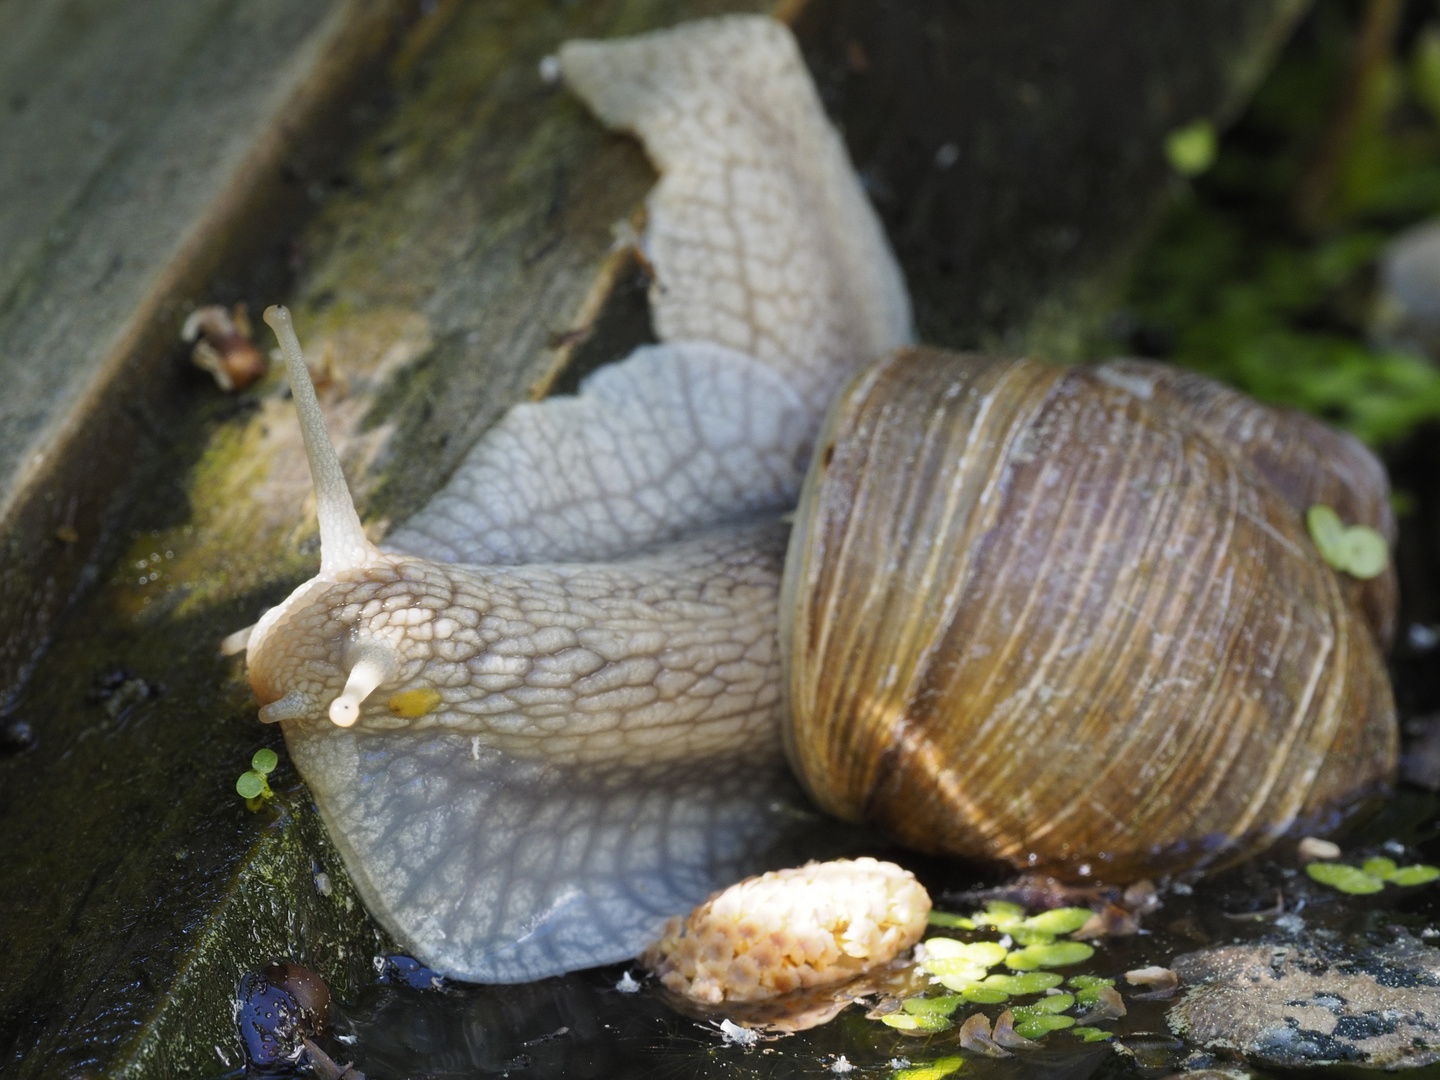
(550, 714)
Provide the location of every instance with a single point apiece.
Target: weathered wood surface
(457, 260)
(145, 149)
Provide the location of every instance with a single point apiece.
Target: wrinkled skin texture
(585, 616)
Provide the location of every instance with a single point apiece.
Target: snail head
(368, 620)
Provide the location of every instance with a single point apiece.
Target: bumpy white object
(818, 925)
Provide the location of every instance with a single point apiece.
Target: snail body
(555, 710)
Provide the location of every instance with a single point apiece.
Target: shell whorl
(1120, 648)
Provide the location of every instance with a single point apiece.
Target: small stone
(1312, 847)
(1300, 1007)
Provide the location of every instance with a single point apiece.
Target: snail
(1057, 617)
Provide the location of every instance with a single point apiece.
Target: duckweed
(1033, 982)
(982, 953)
(934, 1070)
(1034, 1025)
(1059, 954)
(1065, 920)
(1372, 876)
(932, 1006)
(1092, 1034)
(916, 1023)
(1348, 879)
(1087, 987)
(1359, 550)
(951, 922)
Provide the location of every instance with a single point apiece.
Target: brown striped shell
(1072, 618)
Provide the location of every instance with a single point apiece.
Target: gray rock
(1308, 1005)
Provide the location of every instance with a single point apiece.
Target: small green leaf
(1051, 1003)
(932, 1006)
(954, 968)
(1088, 982)
(1001, 914)
(922, 1024)
(1348, 879)
(264, 762)
(1418, 874)
(1191, 149)
(1060, 954)
(1035, 1025)
(1359, 550)
(1065, 920)
(1032, 982)
(960, 983)
(1366, 553)
(980, 994)
(1380, 867)
(952, 922)
(1092, 1034)
(934, 1070)
(985, 954)
(250, 785)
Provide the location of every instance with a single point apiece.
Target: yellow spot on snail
(410, 704)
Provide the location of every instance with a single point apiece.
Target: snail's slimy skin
(587, 611)
(574, 785)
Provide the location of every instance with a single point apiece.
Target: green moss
(1262, 274)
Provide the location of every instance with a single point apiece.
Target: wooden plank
(144, 150)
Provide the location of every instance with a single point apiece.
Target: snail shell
(1047, 616)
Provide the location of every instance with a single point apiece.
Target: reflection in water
(580, 1026)
(412, 1025)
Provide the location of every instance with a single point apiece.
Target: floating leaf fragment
(1001, 914)
(1006, 1033)
(975, 1036)
(955, 974)
(932, 1006)
(1051, 1003)
(1418, 874)
(1358, 550)
(1059, 921)
(1059, 954)
(1092, 1034)
(951, 922)
(1348, 879)
(1032, 982)
(916, 1024)
(934, 1070)
(985, 954)
(1380, 867)
(980, 994)
(1035, 1025)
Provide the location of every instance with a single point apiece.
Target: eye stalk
(343, 544)
(371, 664)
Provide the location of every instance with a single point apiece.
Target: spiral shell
(1067, 618)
